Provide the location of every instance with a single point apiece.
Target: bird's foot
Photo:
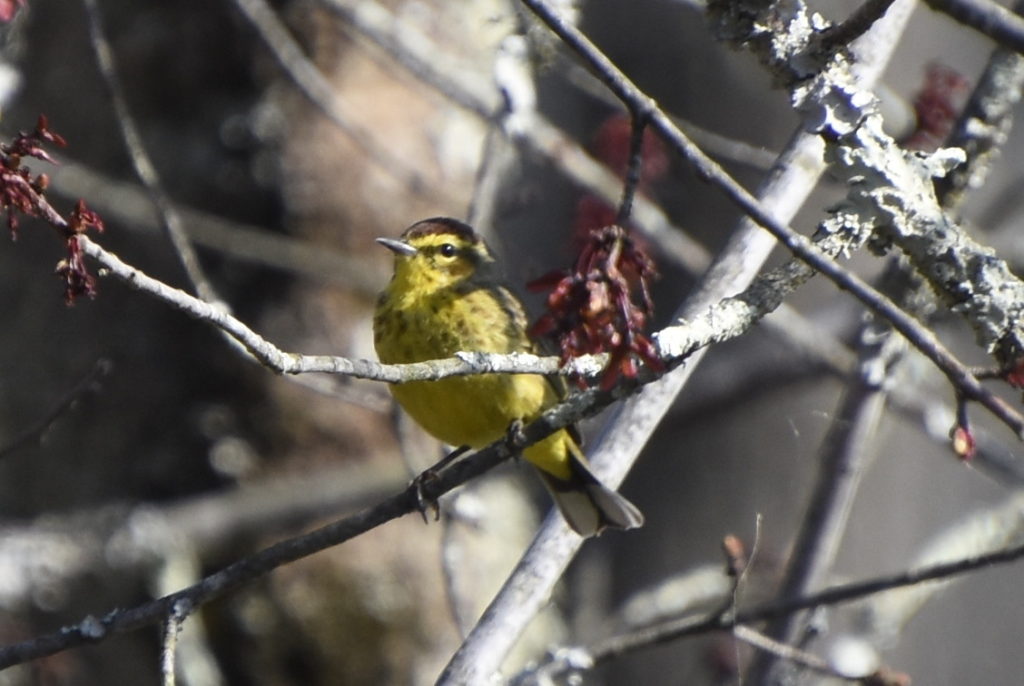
(424, 502)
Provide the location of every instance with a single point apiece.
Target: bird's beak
(397, 247)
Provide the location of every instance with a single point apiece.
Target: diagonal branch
(672, 630)
(988, 17)
(144, 168)
(919, 336)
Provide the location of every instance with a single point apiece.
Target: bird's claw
(425, 503)
(514, 437)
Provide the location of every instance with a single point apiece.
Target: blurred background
(141, 451)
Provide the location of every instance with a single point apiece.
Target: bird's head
(436, 254)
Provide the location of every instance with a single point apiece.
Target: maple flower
(602, 305)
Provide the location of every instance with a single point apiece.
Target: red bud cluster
(602, 305)
(23, 194)
(937, 107)
(8, 8)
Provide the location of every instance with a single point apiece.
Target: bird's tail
(587, 505)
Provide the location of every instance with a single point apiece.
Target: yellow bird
(447, 296)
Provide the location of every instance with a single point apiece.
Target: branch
(144, 169)
(846, 452)
(575, 659)
(113, 539)
(707, 312)
(995, 21)
(918, 335)
(991, 527)
(94, 629)
(672, 630)
(315, 86)
(718, 322)
(984, 125)
(890, 192)
(86, 385)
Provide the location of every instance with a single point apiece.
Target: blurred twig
(93, 629)
(984, 124)
(315, 86)
(674, 629)
(111, 537)
(856, 25)
(169, 217)
(846, 452)
(998, 526)
(88, 384)
(127, 204)
(986, 16)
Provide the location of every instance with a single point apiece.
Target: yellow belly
(470, 410)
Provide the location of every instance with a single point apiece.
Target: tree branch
(144, 168)
(672, 630)
(987, 17)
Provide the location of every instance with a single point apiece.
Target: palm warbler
(447, 296)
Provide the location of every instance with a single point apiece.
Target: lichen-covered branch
(890, 191)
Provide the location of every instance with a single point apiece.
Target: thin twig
(638, 125)
(105, 540)
(318, 89)
(991, 19)
(86, 385)
(144, 169)
(768, 645)
(846, 451)
(668, 631)
(94, 629)
(673, 630)
(856, 25)
(984, 124)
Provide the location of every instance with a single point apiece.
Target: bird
(447, 295)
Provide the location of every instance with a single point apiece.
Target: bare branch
(991, 19)
(684, 627)
(93, 629)
(844, 593)
(854, 26)
(86, 385)
(984, 125)
(846, 452)
(144, 169)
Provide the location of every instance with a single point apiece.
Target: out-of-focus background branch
(288, 135)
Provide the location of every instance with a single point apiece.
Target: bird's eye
(447, 250)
